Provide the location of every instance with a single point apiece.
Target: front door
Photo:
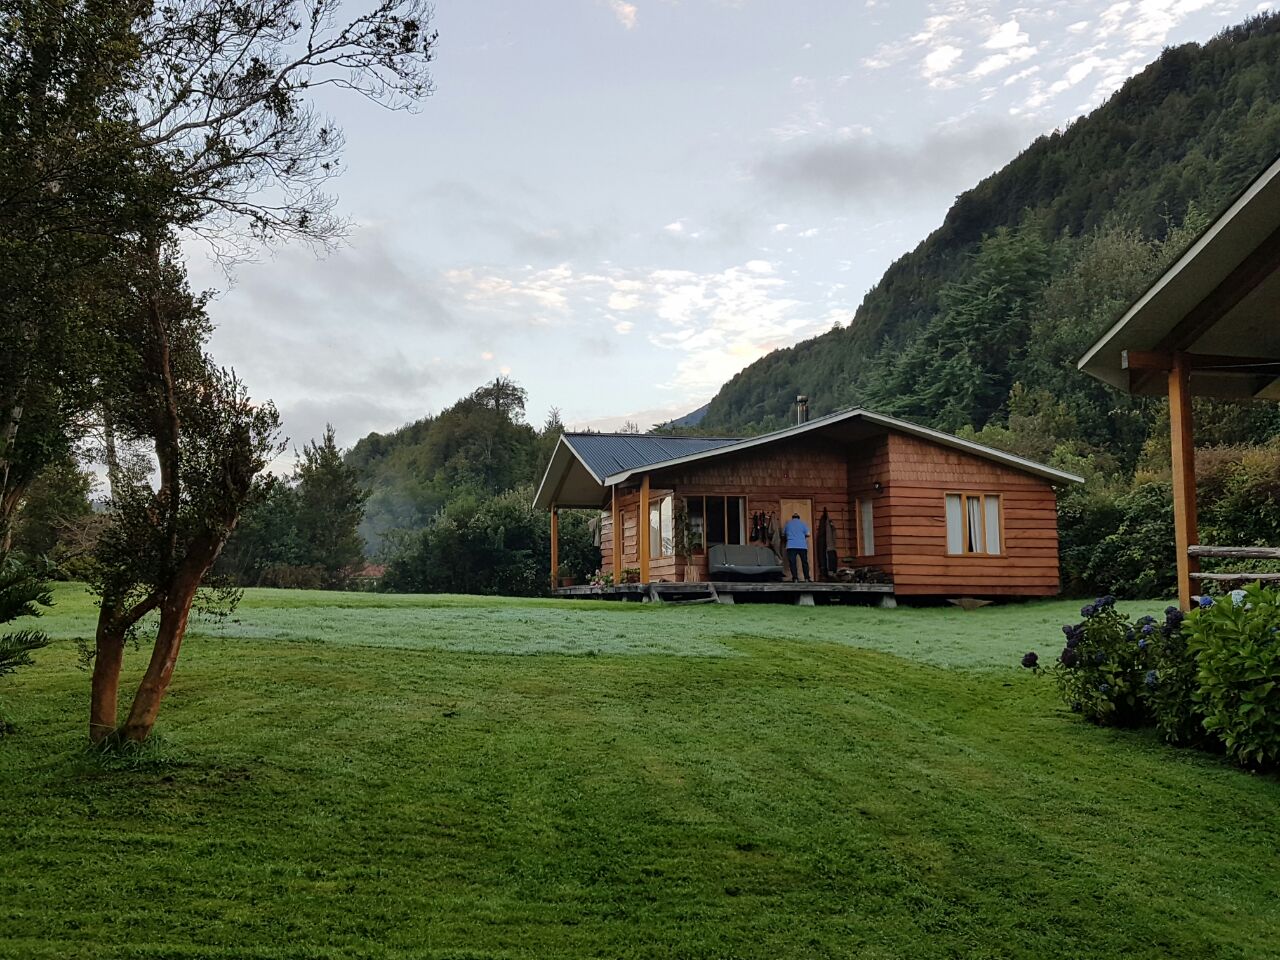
(804, 507)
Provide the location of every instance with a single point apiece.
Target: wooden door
(804, 507)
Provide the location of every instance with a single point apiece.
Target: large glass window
(662, 534)
(717, 520)
(973, 523)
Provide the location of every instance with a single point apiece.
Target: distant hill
(1178, 140)
(691, 419)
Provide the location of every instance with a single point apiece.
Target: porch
(804, 594)
(1207, 328)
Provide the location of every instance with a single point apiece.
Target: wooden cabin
(924, 511)
(1207, 328)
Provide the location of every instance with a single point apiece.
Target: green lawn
(363, 776)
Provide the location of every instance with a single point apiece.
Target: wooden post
(644, 529)
(1184, 475)
(555, 547)
(617, 536)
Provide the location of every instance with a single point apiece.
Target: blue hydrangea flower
(1148, 628)
(1150, 679)
(1104, 688)
(1099, 657)
(1206, 603)
(1142, 643)
(1237, 597)
(1031, 661)
(1069, 657)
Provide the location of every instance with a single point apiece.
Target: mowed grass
(363, 776)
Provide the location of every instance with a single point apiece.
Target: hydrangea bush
(1237, 646)
(1209, 678)
(1104, 666)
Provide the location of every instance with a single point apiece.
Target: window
(662, 533)
(717, 520)
(866, 528)
(973, 523)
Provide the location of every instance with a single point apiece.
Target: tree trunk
(174, 614)
(105, 688)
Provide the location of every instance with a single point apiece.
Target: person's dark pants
(804, 560)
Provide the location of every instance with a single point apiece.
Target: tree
(210, 442)
(54, 506)
(329, 509)
(23, 590)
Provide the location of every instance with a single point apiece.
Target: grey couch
(743, 560)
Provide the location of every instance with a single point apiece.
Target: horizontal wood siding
(868, 465)
(802, 468)
(606, 540)
(920, 475)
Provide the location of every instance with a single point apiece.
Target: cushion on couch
(742, 560)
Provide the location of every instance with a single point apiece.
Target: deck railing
(1235, 553)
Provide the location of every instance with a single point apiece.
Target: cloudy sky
(621, 204)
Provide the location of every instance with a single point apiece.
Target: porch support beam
(644, 529)
(555, 547)
(617, 535)
(1184, 475)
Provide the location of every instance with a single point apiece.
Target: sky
(622, 204)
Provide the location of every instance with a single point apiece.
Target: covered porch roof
(1219, 303)
(1209, 326)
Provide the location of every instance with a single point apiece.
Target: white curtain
(867, 520)
(955, 524)
(668, 528)
(975, 525)
(993, 524)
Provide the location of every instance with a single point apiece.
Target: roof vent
(802, 409)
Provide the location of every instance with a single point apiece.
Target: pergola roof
(1220, 301)
(579, 475)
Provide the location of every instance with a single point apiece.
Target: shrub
(1104, 670)
(1172, 683)
(1238, 673)
(1119, 544)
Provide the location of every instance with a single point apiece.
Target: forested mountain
(949, 329)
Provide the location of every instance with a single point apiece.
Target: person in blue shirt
(796, 533)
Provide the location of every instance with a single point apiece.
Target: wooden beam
(1184, 476)
(1237, 553)
(643, 530)
(617, 535)
(555, 547)
(1238, 284)
(1163, 361)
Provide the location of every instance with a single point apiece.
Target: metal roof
(875, 420)
(1230, 266)
(584, 465)
(608, 453)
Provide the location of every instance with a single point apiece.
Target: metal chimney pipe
(802, 409)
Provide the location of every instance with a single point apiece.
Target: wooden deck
(725, 591)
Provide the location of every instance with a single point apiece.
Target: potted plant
(564, 577)
(687, 541)
(602, 578)
(630, 574)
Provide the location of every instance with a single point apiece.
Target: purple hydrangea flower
(1031, 661)
(1088, 610)
(1148, 629)
(1069, 657)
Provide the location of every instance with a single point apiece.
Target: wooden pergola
(1210, 327)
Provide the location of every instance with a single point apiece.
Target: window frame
(661, 545)
(743, 518)
(982, 497)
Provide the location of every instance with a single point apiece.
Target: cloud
(941, 59)
(867, 169)
(625, 12)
